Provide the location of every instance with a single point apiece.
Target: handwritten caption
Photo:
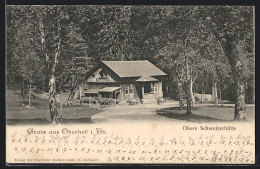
(97, 145)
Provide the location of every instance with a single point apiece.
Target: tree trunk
(253, 95)
(52, 86)
(215, 93)
(220, 95)
(180, 94)
(240, 109)
(202, 99)
(80, 91)
(202, 87)
(47, 58)
(23, 88)
(188, 80)
(70, 95)
(43, 83)
(30, 90)
(52, 101)
(188, 97)
(55, 116)
(193, 104)
(75, 94)
(236, 67)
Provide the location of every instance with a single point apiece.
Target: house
(124, 81)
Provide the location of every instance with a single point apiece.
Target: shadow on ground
(180, 114)
(39, 121)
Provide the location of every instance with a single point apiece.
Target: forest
(202, 49)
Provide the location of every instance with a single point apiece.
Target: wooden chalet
(124, 81)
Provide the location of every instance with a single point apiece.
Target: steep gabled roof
(134, 68)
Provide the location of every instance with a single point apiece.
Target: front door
(147, 88)
(117, 96)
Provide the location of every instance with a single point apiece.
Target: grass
(39, 112)
(208, 113)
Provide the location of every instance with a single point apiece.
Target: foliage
(165, 35)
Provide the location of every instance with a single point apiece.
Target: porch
(151, 89)
(110, 95)
(105, 96)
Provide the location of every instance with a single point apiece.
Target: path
(133, 113)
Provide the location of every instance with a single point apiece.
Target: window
(156, 87)
(132, 89)
(127, 90)
(151, 86)
(103, 74)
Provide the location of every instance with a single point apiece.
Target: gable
(101, 74)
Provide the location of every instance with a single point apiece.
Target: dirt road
(133, 113)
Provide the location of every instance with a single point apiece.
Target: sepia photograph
(136, 84)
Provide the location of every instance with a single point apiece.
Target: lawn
(17, 113)
(206, 113)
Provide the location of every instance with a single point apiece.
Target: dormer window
(102, 74)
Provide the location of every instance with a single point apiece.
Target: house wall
(138, 91)
(129, 96)
(160, 92)
(123, 96)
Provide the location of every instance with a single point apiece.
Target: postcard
(90, 84)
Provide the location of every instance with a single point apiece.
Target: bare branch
(194, 79)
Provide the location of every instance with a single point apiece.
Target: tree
(215, 66)
(23, 49)
(231, 26)
(74, 63)
(114, 36)
(186, 57)
(51, 25)
(29, 63)
(189, 43)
